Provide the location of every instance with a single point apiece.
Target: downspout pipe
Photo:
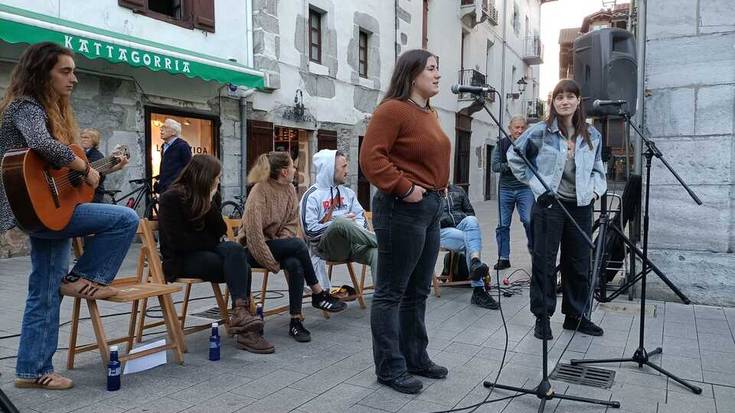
(243, 141)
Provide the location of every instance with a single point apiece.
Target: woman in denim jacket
(573, 168)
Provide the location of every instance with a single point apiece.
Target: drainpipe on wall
(502, 59)
(243, 141)
(395, 31)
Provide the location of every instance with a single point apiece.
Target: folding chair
(156, 276)
(132, 289)
(447, 280)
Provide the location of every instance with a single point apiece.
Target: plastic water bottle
(113, 371)
(259, 310)
(214, 343)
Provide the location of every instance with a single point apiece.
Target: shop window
(198, 132)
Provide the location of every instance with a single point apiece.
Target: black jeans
(551, 227)
(293, 255)
(227, 263)
(408, 244)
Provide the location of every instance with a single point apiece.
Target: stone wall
(690, 113)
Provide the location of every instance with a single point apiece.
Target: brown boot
(254, 342)
(241, 320)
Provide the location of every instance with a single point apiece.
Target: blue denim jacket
(549, 154)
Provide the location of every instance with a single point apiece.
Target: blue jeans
(408, 243)
(114, 228)
(466, 238)
(509, 198)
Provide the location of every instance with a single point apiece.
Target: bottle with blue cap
(113, 371)
(214, 343)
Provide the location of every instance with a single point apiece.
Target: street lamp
(521, 88)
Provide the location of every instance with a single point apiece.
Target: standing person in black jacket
(89, 139)
(460, 232)
(192, 245)
(175, 154)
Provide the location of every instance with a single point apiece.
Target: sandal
(49, 381)
(89, 290)
(344, 293)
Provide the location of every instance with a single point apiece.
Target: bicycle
(233, 209)
(143, 193)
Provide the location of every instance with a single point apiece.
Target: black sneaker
(585, 326)
(434, 371)
(478, 269)
(297, 330)
(542, 326)
(405, 383)
(481, 298)
(502, 264)
(324, 301)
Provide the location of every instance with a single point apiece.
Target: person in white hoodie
(333, 219)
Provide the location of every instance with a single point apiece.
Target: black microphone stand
(641, 356)
(543, 391)
(6, 405)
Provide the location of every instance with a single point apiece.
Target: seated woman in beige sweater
(269, 229)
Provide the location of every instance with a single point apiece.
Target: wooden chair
(133, 289)
(359, 287)
(156, 275)
(447, 280)
(232, 227)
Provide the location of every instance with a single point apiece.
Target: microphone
(476, 90)
(597, 103)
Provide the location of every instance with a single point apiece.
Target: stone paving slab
(335, 373)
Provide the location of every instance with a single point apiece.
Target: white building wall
(229, 41)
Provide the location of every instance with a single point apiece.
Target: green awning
(22, 26)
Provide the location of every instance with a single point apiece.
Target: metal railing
(472, 77)
(489, 9)
(533, 51)
(535, 110)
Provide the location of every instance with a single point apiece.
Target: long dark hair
(269, 165)
(578, 118)
(409, 65)
(32, 77)
(195, 183)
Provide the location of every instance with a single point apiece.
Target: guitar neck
(104, 166)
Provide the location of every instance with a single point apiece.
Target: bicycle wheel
(231, 209)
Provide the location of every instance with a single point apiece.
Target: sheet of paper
(147, 362)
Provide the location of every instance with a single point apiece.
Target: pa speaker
(605, 67)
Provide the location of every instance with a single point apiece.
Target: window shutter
(133, 4)
(326, 139)
(202, 12)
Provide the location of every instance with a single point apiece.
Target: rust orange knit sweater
(405, 145)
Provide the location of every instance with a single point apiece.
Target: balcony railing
(535, 110)
(472, 77)
(533, 52)
(489, 10)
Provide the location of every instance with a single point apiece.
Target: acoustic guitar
(43, 197)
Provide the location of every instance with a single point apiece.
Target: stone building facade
(689, 110)
(123, 51)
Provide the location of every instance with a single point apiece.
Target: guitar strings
(66, 182)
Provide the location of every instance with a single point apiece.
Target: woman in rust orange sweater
(405, 154)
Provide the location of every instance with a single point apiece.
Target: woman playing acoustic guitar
(37, 114)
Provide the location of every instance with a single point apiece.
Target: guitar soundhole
(75, 178)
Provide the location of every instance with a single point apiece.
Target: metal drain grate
(584, 375)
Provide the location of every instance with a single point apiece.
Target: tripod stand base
(545, 392)
(641, 357)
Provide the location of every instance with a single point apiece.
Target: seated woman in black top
(192, 231)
